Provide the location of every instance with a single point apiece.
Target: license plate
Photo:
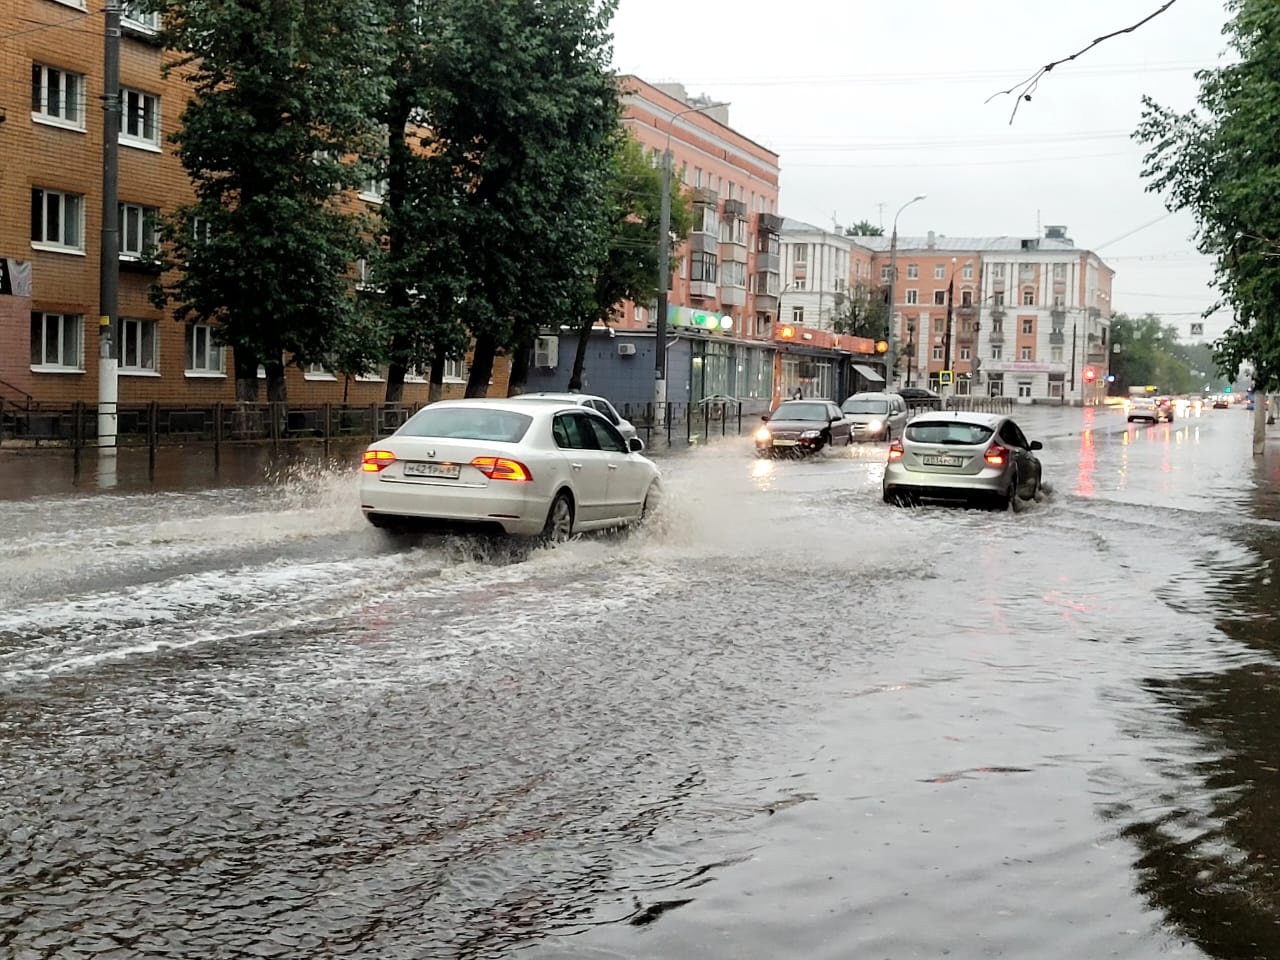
(444, 471)
(942, 461)
(784, 443)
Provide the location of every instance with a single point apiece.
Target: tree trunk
(519, 380)
(1259, 423)
(396, 369)
(399, 156)
(435, 392)
(245, 362)
(482, 366)
(580, 356)
(277, 392)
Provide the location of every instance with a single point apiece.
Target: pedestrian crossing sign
(945, 378)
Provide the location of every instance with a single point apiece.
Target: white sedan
(593, 402)
(546, 469)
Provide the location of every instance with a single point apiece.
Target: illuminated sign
(882, 346)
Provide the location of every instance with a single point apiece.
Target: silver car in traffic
(962, 456)
(876, 416)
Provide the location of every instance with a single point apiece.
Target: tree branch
(1023, 90)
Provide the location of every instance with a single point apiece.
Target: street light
(664, 268)
(893, 280)
(946, 340)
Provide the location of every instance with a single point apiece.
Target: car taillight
(895, 451)
(500, 468)
(375, 460)
(997, 455)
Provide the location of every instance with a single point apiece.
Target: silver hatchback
(962, 456)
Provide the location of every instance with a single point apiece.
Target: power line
(948, 164)
(1137, 229)
(58, 25)
(879, 79)
(954, 142)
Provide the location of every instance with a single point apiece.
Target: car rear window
(948, 432)
(467, 423)
(866, 406)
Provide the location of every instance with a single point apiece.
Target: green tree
(863, 313)
(1221, 163)
(1147, 351)
(281, 96)
(864, 228)
(630, 268)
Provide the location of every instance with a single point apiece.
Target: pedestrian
(797, 394)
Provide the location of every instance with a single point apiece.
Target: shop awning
(871, 373)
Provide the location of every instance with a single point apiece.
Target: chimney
(933, 240)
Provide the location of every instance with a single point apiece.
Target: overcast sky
(871, 103)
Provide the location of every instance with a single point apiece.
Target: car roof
(992, 420)
(507, 404)
(561, 397)
(871, 395)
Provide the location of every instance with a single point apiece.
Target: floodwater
(783, 721)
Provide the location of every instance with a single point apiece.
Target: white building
(815, 268)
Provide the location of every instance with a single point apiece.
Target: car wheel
(1010, 498)
(559, 525)
(652, 500)
(888, 434)
(381, 521)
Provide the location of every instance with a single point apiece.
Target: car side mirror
(1037, 445)
(635, 445)
(765, 418)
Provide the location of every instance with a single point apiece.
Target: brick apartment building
(51, 130)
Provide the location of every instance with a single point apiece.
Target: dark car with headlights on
(962, 456)
(800, 427)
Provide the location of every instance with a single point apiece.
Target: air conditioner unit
(626, 349)
(546, 352)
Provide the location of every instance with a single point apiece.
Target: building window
(886, 274)
(1055, 388)
(997, 351)
(57, 97)
(455, 371)
(706, 220)
(1026, 272)
(137, 231)
(1055, 354)
(940, 272)
(1028, 326)
(965, 353)
(995, 385)
(138, 345)
(201, 230)
(799, 284)
(373, 189)
(203, 357)
(967, 272)
(132, 15)
(800, 253)
(939, 298)
(56, 342)
(1026, 353)
(913, 297)
(733, 274)
(937, 353)
(966, 298)
(997, 298)
(139, 118)
(1059, 301)
(1060, 271)
(997, 271)
(913, 271)
(1024, 389)
(1028, 297)
(797, 315)
(57, 219)
(702, 267)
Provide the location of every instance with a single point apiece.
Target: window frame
(142, 325)
(58, 246)
(65, 321)
(40, 98)
(148, 217)
(140, 141)
(193, 332)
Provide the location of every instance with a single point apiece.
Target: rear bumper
(941, 486)
(513, 510)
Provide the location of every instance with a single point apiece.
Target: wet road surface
(785, 721)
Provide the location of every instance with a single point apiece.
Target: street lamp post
(946, 339)
(893, 283)
(911, 348)
(664, 269)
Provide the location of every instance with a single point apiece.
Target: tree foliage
(629, 270)
(281, 95)
(864, 312)
(864, 228)
(1221, 163)
(1147, 351)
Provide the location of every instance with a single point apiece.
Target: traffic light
(882, 346)
(1227, 390)
(1089, 374)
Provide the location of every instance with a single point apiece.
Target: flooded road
(784, 721)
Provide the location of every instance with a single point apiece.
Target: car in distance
(599, 404)
(1221, 402)
(918, 398)
(1145, 408)
(801, 427)
(876, 416)
(957, 456)
(504, 466)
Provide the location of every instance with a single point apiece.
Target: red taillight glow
(375, 460)
(997, 455)
(500, 468)
(895, 451)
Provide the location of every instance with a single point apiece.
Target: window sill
(56, 248)
(131, 372)
(73, 4)
(73, 126)
(370, 380)
(326, 377)
(145, 145)
(369, 197)
(204, 375)
(53, 369)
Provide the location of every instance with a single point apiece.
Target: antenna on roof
(880, 206)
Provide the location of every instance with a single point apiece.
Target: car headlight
(810, 434)
(763, 435)
(875, 426)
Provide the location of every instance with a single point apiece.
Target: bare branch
(1023, 90)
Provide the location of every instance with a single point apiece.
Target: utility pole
(946, 339)
(891, 358)
(109, 248)
(1073, 358)
(911, 349)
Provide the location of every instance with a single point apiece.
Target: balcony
(704, 243)
(995, 335)
(733, 296)
(705, 196)
(703, 289)
(1058, 315)
(733, 252)
(966, 311)
(1057, 338)
(997, 312)
(735, 208)
(768, 262)
(769, 223)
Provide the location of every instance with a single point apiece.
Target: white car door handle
(613, 466)
(576, 466)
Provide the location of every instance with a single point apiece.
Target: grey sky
(874, 103)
